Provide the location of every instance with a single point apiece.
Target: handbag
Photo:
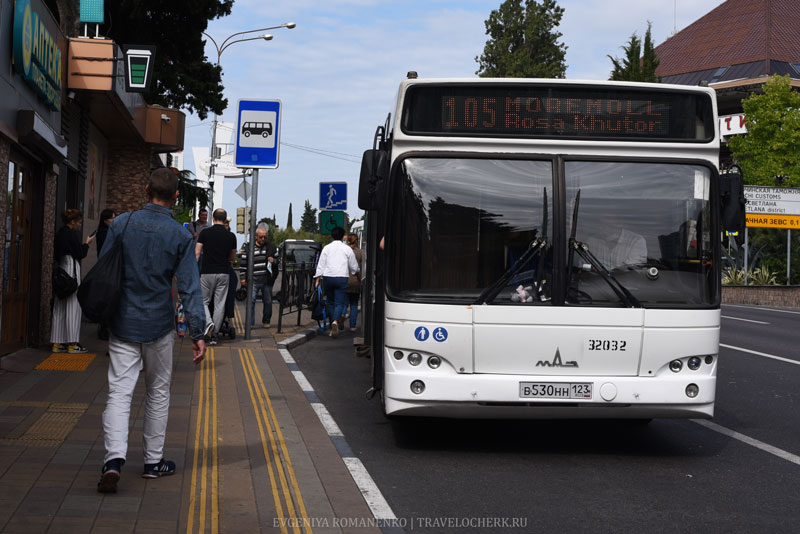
(100, 291)
(64, 284)
(318, 308)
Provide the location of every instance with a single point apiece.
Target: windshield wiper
(535, 246)
(583, 251)
(622, 292)
(493, 290)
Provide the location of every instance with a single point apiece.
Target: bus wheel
(265, 135)
(247, 134)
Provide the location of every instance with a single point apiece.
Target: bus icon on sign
(264, 129)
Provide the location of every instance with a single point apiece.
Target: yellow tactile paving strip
(52, 427)
(205, 466)
(238, 322)
(285, 490)
(66, 362)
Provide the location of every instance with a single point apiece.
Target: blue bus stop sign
(333, 196)
(258, 134)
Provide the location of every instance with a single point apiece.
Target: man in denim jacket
(156, 249)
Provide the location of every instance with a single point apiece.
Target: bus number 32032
(607, 344)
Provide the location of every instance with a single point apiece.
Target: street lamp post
(220, 48)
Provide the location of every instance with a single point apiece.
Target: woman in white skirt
(69, 251)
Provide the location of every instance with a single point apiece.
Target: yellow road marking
(284, 450)
(238, 322)
(206, 415)
(274, 431)
(214, 454)
(275, 496)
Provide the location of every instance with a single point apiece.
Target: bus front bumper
(501, 396)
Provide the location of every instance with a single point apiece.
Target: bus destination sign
(582, 113)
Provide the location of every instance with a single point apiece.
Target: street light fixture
(220, 49)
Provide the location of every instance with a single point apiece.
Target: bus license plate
(555, 390)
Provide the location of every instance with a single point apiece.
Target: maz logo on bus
(557, 362)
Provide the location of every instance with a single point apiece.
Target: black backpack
(100, 291)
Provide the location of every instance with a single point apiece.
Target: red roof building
(734, 49)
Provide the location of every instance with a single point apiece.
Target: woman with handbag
(66, 328)
(354, 281)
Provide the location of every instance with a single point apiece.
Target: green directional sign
(330, 219)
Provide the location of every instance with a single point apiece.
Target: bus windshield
(460, 224)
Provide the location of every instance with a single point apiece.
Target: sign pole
(788, 256)
(258, 141)
(250, 252)
(746, 245)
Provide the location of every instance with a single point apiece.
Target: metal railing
(297, 285)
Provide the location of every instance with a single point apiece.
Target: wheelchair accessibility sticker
(440, 334)
(422, 334)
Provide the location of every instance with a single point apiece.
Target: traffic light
(242, 220)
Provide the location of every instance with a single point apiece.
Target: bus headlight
(693, 363)
(417, 387)
(398, 355)
(709, 359)
(434, 362)
(415, 358)
(692, 390)
(675, 366)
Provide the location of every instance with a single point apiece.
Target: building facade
(71, 136)
(734, 49)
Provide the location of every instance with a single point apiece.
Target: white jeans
(123, 372)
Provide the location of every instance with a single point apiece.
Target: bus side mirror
(732, 205)
(374, 170)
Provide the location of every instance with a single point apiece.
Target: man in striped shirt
(263, 274)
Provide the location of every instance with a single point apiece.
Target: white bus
(552, 250)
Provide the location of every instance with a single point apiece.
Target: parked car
(298, 251)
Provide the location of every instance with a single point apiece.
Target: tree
(289, 218)
(768, 153)
(182, 75)
(189, 196)
(308, 222)
(637, 65)
(523, 42)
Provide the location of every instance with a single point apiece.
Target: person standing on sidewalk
(106, 218)
(156, 249)
(218, 247)
(354, 282)
(201, 223)
(263, 279)
(336, 263)
(69, 251)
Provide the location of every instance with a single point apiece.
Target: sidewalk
(252, 455)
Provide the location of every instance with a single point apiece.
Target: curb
(384, 516)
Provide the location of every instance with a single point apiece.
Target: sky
(337, 74)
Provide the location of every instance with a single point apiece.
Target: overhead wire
(318, 151)
(323, 152)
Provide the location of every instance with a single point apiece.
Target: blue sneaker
(161, 469)
(110, 476)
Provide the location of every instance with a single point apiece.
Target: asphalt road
(578, 476)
